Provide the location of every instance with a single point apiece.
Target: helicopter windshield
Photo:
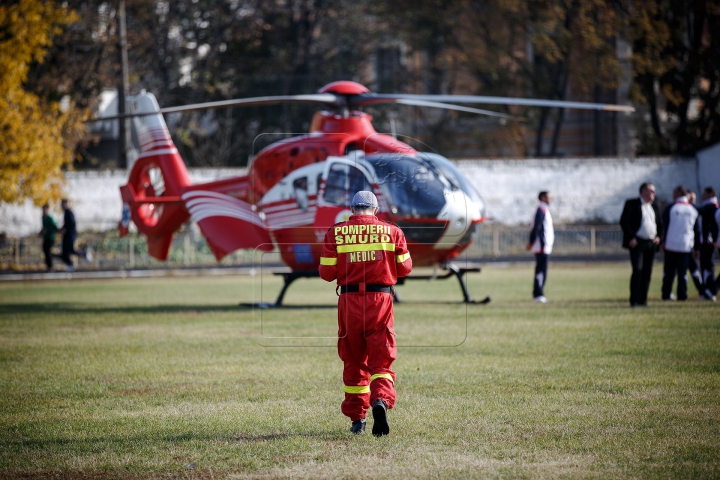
(413, 188)
(453, 174)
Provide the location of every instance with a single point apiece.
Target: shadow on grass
(269, 306)
(87, 444)
(55, 308)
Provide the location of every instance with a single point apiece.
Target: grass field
(170, 378)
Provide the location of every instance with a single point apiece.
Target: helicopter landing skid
(453, 269)
(458, 271)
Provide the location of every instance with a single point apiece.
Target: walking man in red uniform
(366, 256)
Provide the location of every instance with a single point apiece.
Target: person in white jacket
(681, 239)
(542, 237)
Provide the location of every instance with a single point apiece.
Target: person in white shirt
(542, 237)
(681, 237)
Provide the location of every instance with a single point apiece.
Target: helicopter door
(342, 180)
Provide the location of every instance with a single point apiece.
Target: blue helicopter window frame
(343, 181)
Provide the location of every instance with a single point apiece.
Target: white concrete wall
(709, 167)
(585, 190)
(95, 199)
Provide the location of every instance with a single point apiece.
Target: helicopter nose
(459, 211)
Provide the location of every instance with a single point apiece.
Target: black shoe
(358, 427)
(380, 425)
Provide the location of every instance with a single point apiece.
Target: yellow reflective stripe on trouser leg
(356, 389)
(402, 258)
(382, 375)
(328, 261)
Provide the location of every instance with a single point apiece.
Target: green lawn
(143, 378)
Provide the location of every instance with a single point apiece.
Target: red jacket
(364, 249)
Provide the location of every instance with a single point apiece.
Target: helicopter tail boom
(227, 223)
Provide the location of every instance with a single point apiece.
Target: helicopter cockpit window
(413, 188)
(300, 187)
(453, 174)
(342, 183)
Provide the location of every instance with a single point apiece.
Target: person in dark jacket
(69, 235)
(641, 225)
(681, 240)
(708, 240)
(542, 237)
(49, 229)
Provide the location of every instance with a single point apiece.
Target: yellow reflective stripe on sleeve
(328, 261)
(365, 247)
(402, 258)
(356, 389)
(381, 375)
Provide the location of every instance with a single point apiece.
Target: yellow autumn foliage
(36, 138)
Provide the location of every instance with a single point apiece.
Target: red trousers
(366, 345)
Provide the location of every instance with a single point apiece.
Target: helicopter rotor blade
(316, 98)
(375, 98)
(449, 106)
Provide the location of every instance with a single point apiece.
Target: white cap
(363, 198)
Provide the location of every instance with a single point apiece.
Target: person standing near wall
(641, 225)
(681, 237)
(708, 240)
(694, 268)
(542, 237)
(49, 229)
(69, 235)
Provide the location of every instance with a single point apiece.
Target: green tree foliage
(36, 137)
(676, 64)
(516, 48)
(189, 51)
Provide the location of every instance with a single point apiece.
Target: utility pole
(124, 86)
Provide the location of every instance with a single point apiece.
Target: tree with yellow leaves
(37, 138)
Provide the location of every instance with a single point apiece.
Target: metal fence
(494, 241)
(189, 249)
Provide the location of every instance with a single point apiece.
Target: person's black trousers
(541, 267)
(696, 275)
(47, 246)
(707, 265)
(68, 248)
(675, 263)
(641, 259)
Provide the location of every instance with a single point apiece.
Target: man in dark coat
(69, 235)
(641, 224)
(709, 238)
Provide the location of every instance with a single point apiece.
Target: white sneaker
(540, 299)
(671, 299)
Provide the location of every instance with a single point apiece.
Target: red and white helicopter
(297, 188)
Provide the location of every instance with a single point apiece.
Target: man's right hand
(633, 243)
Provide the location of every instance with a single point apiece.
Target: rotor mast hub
(344, 87)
